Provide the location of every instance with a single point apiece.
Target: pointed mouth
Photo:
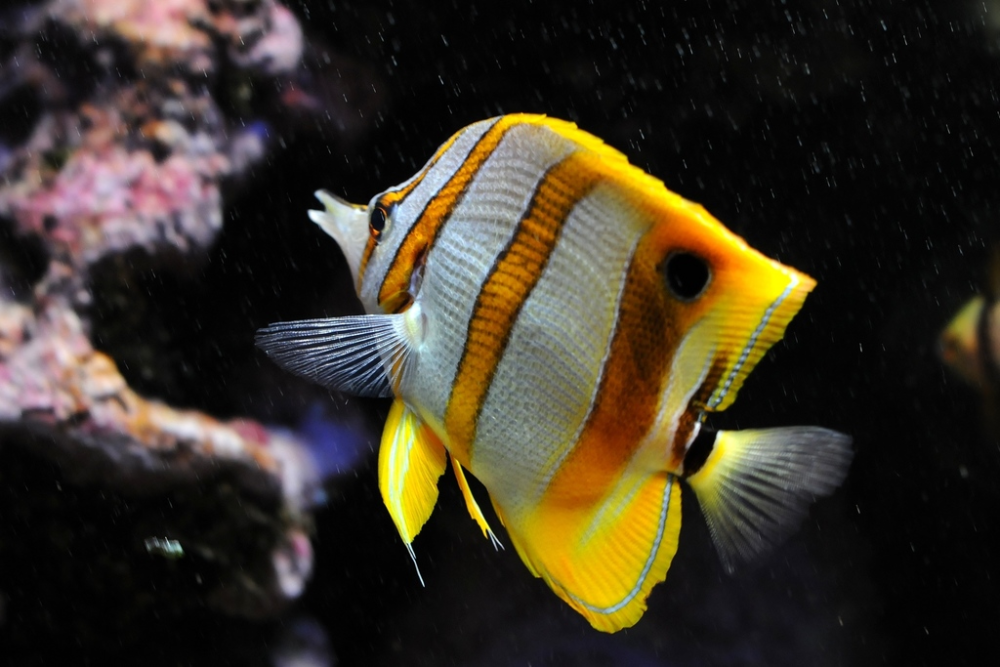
(347, 224)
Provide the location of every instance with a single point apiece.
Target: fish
(555, 321)
(969, 345)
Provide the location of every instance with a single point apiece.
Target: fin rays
(756, 485)
(473, 506)
(607, 573)
(641, 580)
(410, 461)
(349, 354)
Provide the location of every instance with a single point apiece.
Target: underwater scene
(499, 333)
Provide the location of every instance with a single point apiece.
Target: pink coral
(110, 199)
(138, 164)
(55, 385)
(260, 33)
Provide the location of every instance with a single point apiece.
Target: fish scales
(558, 322)
(555, 398)
(511, 280)
(458, 264)
(638, 360)
(418, 192)
(432, 219)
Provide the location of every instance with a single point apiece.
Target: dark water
(853, 140)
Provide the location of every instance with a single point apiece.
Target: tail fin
(755, 486)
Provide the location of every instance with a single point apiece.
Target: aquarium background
(854, 140)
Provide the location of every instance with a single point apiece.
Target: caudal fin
(755, 486)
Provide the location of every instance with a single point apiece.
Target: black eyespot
(687, 275)
(376, 225)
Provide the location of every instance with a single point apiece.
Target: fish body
(559, 323)
(970, 344)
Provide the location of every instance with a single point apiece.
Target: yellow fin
(472, 505)
(959, 343)
(604, 560)
(499, 512)
(410, 461)
(769, 301)
(755, 486)
(570, 131)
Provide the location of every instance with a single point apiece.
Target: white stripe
(407, 211)
(558, 347)
(721, 393)
(549, 470)
(650, 454)
(481, 225)
(664, 512)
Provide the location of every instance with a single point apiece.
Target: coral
(140, 162)
(110, 193)
(116, 150)
(62, 399)
(257, 33)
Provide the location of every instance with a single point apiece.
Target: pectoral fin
(362, 355)
(604, 560)
(472, 505)
(410, 461)
(755, 486)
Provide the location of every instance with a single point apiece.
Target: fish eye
(687, 275)
(377, 222)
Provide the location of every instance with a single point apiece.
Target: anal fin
(410, 461)
(604, 559)
(472, 505)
